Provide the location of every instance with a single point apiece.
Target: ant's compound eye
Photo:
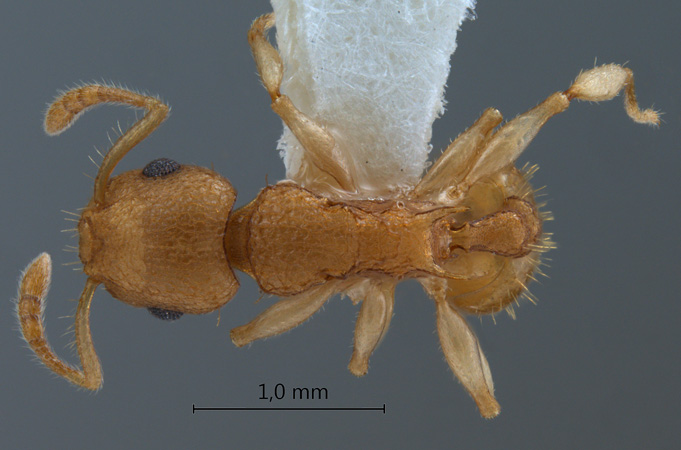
(160, 168)
(164, 314)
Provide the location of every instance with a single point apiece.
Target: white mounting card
(372, 72)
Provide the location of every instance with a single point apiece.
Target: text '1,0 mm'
(297, 393)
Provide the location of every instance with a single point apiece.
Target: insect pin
(165, 237)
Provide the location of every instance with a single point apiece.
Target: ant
(165, 237)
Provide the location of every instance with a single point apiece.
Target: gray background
(594, 365)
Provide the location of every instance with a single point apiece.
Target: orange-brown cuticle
(511, 232)
(86, 239)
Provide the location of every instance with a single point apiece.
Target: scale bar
(235, 408)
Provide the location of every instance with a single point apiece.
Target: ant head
(153, 237)
(156, 240)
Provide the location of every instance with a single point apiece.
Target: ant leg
(596, 85)
(283, 315)
(452, 166)
(604, 83)
(465, 358)
(372, 324)
(30, 307)
(463, 158)
(67, 108)
(319, 145)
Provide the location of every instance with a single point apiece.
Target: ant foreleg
(283, 315)
(319, 145)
